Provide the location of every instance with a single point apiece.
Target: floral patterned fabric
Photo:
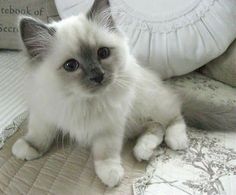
(208, 166)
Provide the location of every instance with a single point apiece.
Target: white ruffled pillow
(173, 37)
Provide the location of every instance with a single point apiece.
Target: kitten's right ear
(36, 36)
(100, 12)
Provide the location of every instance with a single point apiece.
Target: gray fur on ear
(100, 12)
(36, 36)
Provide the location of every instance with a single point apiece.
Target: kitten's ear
(100, 12)
(36, 36)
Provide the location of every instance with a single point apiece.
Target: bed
(207, 167)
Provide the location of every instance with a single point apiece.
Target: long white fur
(134, 100)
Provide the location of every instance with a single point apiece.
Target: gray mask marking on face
(91, 65)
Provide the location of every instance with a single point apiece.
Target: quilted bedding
(207, 167)
(65, 170)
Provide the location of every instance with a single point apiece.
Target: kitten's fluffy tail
(208, 116)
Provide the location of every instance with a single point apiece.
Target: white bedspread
(12, 103)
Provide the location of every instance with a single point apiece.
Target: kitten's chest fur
(84, 119)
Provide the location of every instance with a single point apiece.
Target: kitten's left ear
(36, 36)
(100, 12)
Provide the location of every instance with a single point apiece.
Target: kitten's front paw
(22, 150)
(109, 171)
(178, 141)
(145, 146)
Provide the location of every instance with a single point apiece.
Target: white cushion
(173, 37)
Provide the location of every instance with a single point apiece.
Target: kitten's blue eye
(103, 52)
(71, 65)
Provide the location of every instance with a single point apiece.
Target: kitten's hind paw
(145, 146)
(176, 137)
(22, 150)
(178, 141)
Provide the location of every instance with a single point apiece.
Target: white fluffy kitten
(84, 81)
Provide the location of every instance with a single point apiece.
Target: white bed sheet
(12, 103)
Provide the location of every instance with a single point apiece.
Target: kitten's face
(88, 57)
(83, 53)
